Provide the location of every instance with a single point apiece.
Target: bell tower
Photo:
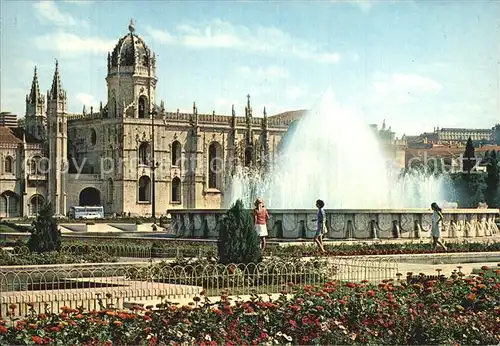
(57, 113)
(131, 77)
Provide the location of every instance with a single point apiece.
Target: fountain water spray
(333, 155)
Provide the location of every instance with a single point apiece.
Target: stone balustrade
(348, 224)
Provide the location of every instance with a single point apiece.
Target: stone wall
(349, 224)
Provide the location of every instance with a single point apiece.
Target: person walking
(261, 216)
(321, 225)
(437, 222)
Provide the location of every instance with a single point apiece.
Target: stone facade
(22, 185)
(112, 156)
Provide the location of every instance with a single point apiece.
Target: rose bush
(453, 310)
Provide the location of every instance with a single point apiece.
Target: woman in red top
(260, 216)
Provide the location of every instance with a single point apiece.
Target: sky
(416, 64)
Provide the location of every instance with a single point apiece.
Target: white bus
(86, 212)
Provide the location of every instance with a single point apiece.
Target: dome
(131, 50)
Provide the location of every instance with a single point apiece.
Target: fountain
(334, 156)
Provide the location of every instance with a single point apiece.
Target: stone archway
(90, 196)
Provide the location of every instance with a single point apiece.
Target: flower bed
(146, 248)
(454, 310)
(22, 256)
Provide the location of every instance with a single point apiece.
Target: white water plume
(334, 156)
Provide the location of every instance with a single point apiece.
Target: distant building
(462, 134)
(8, 119)
(452, 136)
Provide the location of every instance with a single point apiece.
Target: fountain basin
(347, 223)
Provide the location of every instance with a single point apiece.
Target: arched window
(144, 152)
(248, 156)
(35, 165)
(8, 164)
(114, 106)
(109, 192)
(9, 204)
(176, 190)
(36, 203)
(93, 137)
(142, 107)
(110, 162)
(215, 166)
(176, 154)
(144, 189)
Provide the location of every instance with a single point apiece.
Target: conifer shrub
(238, 241)
(45, 235)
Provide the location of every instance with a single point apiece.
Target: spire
(35, 89)
(264, 119)
(194, 117)
(233, 118)
(162, 108)
(56, 91)
(248, 108)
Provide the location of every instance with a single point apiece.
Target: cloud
(160, 35)
(80, 2)
(295, 92)
(367, 5)
(415, 82)
(272, 72)
(363, 5)
(70, 44)
(399, 89)
(48, 12)
(11, 99)
(219, 34)
(223, 105)
(87, 100)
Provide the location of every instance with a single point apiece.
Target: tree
(492, 179)
(45, 235)
(469, 160)
(238, 241)
(469, 189)
(496, 134)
